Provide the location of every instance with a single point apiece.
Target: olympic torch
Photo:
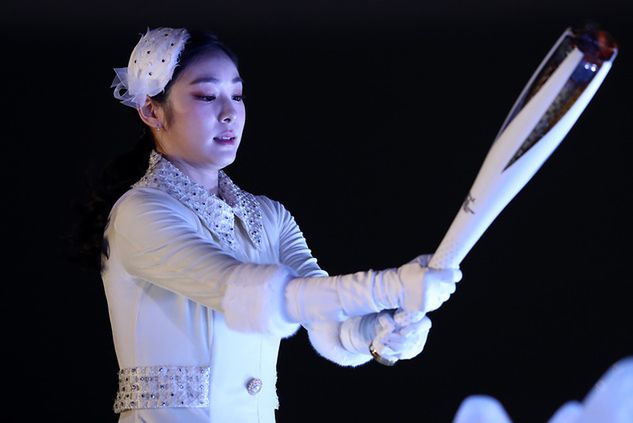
(547, 108)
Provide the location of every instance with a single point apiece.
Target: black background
(369, 121)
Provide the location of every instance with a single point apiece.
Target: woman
(204, 279)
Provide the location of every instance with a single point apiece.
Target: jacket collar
(217, 212)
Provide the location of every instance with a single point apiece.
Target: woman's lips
(224, 139)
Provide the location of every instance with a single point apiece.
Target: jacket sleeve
(334, 340)
(158, 240)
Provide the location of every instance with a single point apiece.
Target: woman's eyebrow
(203, 79)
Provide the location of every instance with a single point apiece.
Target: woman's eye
(239, 98)
(207, 98)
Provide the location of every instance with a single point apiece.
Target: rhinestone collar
(217, 212)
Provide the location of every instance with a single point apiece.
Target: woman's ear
(149, 114)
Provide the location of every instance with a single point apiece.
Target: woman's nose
(227, 115)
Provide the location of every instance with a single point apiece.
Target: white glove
(411, 287)
(437, 288)
(385, 336)
(395, 342)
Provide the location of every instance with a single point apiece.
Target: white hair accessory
(151, 65)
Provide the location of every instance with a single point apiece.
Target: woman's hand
(438, 284)
(399, 336)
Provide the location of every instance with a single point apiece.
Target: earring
(158, 128)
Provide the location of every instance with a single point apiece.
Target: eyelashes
(206, 98)
(211, 98)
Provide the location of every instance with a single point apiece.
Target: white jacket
(194, 286)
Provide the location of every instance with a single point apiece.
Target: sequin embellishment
(218, 215)
(162, 386)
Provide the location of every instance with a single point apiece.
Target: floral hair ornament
(151, 65)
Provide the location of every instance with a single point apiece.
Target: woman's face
(205, 114)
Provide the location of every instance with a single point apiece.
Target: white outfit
(195, 298)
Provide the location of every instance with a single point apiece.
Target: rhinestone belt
(162, 386)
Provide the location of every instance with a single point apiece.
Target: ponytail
(85, 240)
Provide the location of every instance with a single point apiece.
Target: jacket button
(254, 385)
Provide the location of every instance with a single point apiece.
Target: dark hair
(199, 43)
(85, 240)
